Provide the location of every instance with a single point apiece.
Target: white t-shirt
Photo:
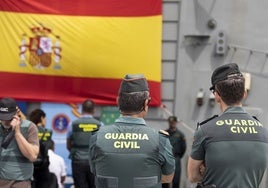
(57, 166)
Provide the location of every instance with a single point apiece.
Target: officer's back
(128, 153)
(233, 147)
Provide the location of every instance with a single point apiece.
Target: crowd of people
(228, 150)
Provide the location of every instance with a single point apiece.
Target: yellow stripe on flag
(102, 47)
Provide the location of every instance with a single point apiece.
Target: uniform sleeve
(33, 135)
(166, 156)
(92, 144)
(198, 152)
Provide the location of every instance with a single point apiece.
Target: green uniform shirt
(234, 147)
(130, 154)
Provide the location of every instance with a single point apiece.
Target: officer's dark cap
(172, 118)
(225, 72)
(8, 108)
(133, 83)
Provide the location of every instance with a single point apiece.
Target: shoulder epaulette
(207, 120)
(165, 133)
(255, 118)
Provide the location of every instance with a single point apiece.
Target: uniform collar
(130, 120)
(234, 109)
(86, 116)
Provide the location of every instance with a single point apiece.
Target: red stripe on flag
(85, 7)
(28, 87)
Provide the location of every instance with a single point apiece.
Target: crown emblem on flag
(40, 50)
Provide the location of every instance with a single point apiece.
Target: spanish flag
(67, 51)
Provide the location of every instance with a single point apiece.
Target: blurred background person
(56, 164)
(178, 143)
(19, 146)
(78, 136)
(42, 177)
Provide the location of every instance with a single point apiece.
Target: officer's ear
(146, 104)
(117, 101)
(217, 97)
(245, 94)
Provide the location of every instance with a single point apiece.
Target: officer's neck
(40, 125)
(134, 115)
(223, 106)
(173, 128)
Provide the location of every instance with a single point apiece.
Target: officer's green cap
(172, 118)
(133, 83)
(225, 72)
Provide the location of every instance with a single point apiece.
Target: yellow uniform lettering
(259, 124)
(107, 136)
(145, 137)
(128, 136)
(253, 130)
(87, 127)
(121, 137)
(220, 123)
(233, 129)
(244, 129)
(228, 122)
(236, 122)
(126, 145)
(244, 122)
(250, 122)
(47, 134)
(135, 136)
(117, 144)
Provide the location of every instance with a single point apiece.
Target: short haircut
(231, 90)
(132, 102)
(88, 106)
(36, 115)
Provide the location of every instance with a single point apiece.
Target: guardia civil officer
(230, 150)
(38, 116)
(129, 154)
(42, 177)
(178, 143)
(78, 137)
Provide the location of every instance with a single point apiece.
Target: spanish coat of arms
(43, 48)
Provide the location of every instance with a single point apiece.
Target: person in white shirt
(57, 165)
